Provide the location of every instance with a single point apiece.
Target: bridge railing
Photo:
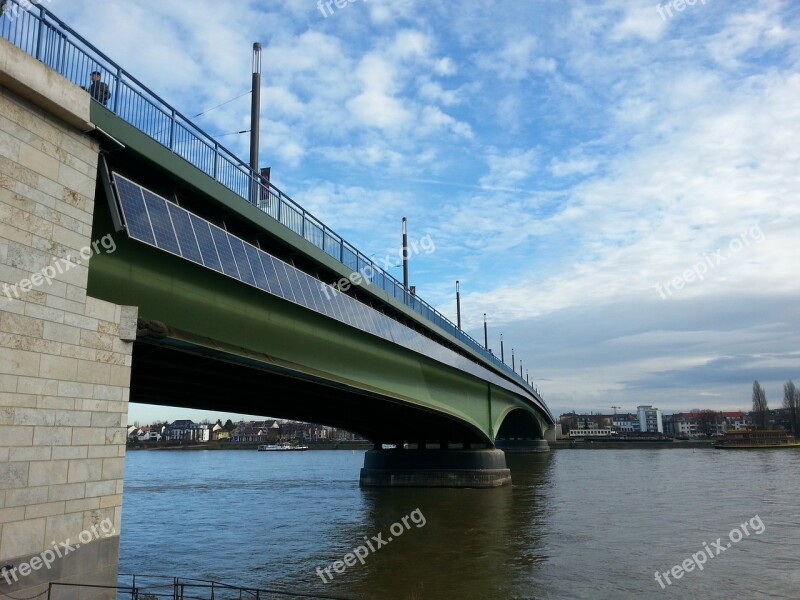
(37, 31)
(154, 587)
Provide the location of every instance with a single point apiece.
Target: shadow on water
(473, 544)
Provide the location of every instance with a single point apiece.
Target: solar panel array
(156, 221)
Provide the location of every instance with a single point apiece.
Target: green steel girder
(210, 314)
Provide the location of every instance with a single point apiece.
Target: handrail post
(172, 130)
(216, 160)
(39, 31)
(117, 87)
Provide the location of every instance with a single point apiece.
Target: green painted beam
(208, 305)
(190, 176)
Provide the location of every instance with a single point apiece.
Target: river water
(575, 524)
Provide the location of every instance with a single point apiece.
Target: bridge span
(142, 261)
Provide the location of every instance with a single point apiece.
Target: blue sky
(565, 157)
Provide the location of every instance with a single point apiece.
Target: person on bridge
(98, 89)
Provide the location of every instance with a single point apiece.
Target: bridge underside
(174, 373)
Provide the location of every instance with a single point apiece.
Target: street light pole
(485, 333)
(458, 304)
(255, 121)
(405, 253)
(502, 354)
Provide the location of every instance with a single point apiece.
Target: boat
(280, 448)
(746, 439)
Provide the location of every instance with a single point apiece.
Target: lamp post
(405, 253)
(458, 304)
(255, 120)
(502, 354)
(485, 333)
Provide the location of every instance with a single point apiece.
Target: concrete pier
(435, 468)
(523, 446)
(65, 358)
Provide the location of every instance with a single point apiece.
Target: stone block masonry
(64, 360)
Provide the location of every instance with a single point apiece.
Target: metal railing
(41, 34)
(154, 587)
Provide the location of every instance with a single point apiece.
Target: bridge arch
(520, 424)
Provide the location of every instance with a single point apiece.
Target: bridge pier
(65, 357)
(523, 446)
(484, 468)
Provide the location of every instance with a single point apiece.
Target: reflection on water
(476, 543)
(575, 524)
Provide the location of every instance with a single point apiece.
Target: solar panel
(309, 290)
(162, 224)
(202, 230)
(134, 211)
(239, 255)
(257, 267)
(283, 280)
(269, 271)
(185, 233)
(224, 251)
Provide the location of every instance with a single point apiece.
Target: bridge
(142, 261)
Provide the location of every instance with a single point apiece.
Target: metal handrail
(177, 588)
(181, 588)
(48, 39)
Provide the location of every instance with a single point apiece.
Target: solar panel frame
(220, 237)
(208, 250)
(137, 219)
(187, 240)
(242, 264)
(161, 222)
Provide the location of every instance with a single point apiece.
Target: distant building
(185, 430)
(650, 420)
(625, 423)
(706, 422)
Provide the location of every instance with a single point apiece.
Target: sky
(614, 183)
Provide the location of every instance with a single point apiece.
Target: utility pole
(485, 333)
(405, 253)
(502, 354)
(255, 121)
(458, 304)
(513, 362)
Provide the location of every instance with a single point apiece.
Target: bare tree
(791, 402)
(760, 410)
(706, 421)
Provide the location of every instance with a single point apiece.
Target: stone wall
(64, 359)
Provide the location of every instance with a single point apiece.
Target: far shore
(338, 445)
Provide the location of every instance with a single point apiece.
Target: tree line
(791, 405)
